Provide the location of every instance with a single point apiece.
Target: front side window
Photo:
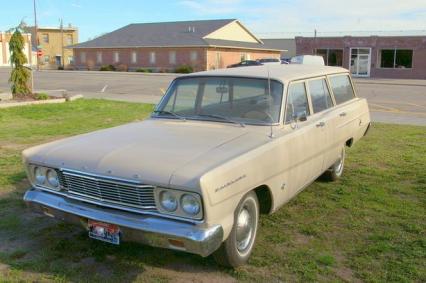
(320, 95)
(297, 102)
(224, 99)
(342, 88)
(396, 58)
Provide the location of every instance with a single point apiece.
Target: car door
(346, 110)
(302, 158)
(323, 121)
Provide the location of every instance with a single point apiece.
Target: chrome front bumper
(150, 230)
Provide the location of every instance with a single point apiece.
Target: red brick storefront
(402, 57)
(200, 58)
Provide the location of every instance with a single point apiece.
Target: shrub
(143, 70)
(184, 69)
(122, 68)
(20, 76)
(60, 67)
(41, 96)
(107, 68)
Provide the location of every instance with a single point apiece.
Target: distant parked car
(308, 60)
(270, 61)
(245, 63)
(285, 61)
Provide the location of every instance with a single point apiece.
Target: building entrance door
(360, 62)
(58, 60)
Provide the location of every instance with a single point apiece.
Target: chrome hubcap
(245, 225)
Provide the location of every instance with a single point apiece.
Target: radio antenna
(271, 134)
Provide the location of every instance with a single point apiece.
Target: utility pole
(36, 34)
(62, 40)
(315, 42)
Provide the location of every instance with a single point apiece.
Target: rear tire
(236, 249)
(336, 170)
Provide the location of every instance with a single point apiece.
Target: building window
(99, 57)
(172, 57)
(152, 57)
(69, 39)
(193, 56)
(116, 57)
(83, 57)
(332, 57)
(244, 56)
(45, 37)
(396, 58)
(134, 57)
(46, 59)
(70, 60)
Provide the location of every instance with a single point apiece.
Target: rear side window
(320, 95)
(342, 88)
(297, 102)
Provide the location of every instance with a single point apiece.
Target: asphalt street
(390, 101)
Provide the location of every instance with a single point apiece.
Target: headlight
(52, 178)
(39, 175)
(190, 204)
(168, 201)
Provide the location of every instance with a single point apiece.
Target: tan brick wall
(53, 48)
(228, 56)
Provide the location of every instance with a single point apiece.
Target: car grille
(103, 190)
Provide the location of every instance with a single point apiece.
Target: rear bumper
(150, 230)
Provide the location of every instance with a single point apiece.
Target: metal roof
(168, 34)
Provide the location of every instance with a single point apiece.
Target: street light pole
(36, 34)
(62, 42)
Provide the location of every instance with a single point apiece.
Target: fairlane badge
(230, 183)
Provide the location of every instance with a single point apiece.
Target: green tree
(19, 77)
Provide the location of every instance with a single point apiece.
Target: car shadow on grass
(38, 247)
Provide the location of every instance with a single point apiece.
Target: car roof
(284, 73)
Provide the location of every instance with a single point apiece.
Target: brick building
(52, 42)
(402, 57)
(204, 45)
(4, 49)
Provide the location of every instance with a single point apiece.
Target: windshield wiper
(170, 113)
(222, 118)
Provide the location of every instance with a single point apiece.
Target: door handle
(320, 124)
(343, 114)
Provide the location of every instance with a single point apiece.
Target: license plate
(106, 232)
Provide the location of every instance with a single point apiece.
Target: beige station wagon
(221, 147)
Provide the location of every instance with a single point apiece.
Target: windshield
(227, 99)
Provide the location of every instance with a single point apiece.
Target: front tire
(336, 170)
(236, 249)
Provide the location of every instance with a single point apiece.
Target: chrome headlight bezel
(39, 177)
(178, 195)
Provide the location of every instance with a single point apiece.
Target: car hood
(152, 151)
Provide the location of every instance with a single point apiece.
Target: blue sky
(267, 18)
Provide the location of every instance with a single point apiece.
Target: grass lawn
(368, 226)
